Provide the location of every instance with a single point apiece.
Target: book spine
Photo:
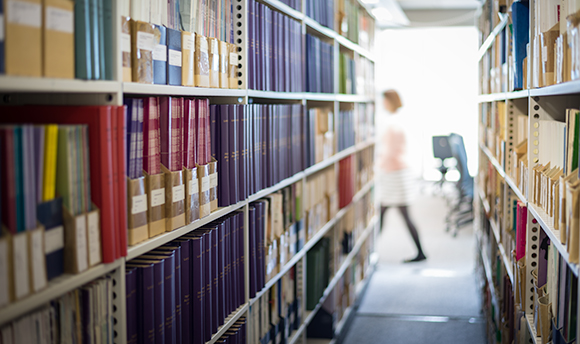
(223, 147)
(159, 304)
(147, 308)
(160, 56)
(233, 148)
(174, 57)
(221, 309)
(121, 181)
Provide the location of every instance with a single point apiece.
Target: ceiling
(423, 13)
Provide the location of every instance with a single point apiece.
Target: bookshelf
(520, 99)
(17, 90)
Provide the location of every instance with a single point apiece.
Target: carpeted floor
(435, 301)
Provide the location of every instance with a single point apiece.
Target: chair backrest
(441, 147)
(459, 153)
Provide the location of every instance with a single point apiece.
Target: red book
(122, 183)
(8, 179)
(98, 118)
(115, 161)
(170, 132)
(189, 157)
(202, 126)
(151, 144)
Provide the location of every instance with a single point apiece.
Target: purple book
(131, 302)
(240, 285)
(209, 273)
(175, 249)
(242, 151)
(215, 274)
(198, 256)
(287, 53)
(227, 265)
(221, 309)
(252, 248)
(269, 145)
(223, 152)
(145, 301)
(259, 235)
(263, 67)
(251, 69)
(29, 181)
(158, 309)
(213, 126)
(186, 287)
(231, 296)
(250, 150)
(234, 151)
(39, 161)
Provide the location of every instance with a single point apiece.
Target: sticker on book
(81, 243)
(145, 41)
(205, 183)
(174, 58)
(178, 193)
(233, 58)
(157, 197)
(193, 186)
(125, 42)
(94, 238)
(139, 204)
(53, 239)
(213, 180)
(188, 42)
(24, 13)
(160, 52)
(58, 19)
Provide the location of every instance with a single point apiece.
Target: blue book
(2, 70)
(29, 182)
(521, 26)
(160, 56)
(49, 214)
(101, 37)
(108, 39)
(173, 57)
(18, 180)
(94, 38)
(83, 51)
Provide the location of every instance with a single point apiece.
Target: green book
(65, 167)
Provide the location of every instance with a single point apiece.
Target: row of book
(275, 50)
(320, 199)
(184, 291)
(354, 23)
(321, 138)
(155, 54)
(347, 74)
(347, 129)
(236, 334)
(277, 313)
(83, 315)
(364, 76)
(295, 4)
(64, 39)
(319, 65)
(318, 272)
(276, 234)
(364, 122)
(256, 146)
(321, 11)
(103, 159)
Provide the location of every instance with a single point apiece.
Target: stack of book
(185, 290)
(346, 129)
(79, 164)
(80, 316)
(65, 39)
(276, 235)
(319, 65)
(256, 146)
(321, 11)
(275, 52)
(276, 313)
(320, 135)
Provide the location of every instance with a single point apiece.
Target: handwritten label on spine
(157, 197)
(145, 41)
(178, 193)
(213, 178)
(54, 239)
(193, 186)
(94, 238)
(174, 58)
(139, 204)
(205, 184)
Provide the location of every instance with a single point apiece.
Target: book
(151, 136)
(174, 57)
(160, 56)
(58, 50)
(2, 43)
(23, 38)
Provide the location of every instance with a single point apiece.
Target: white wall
(435, 71)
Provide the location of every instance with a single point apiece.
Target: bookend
(213, 183)
(232, 66)
(223, 64)
(137, 224)
(155, 189)
(204, 183)
(214, 62)
(80, 243)
(201, 61)
(174, 199)
(192, 198)
(49, 214)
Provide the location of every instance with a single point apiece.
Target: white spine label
(94, 240)
(178, 193)
(38, 264)
(145, 41)
(174, 58)
(213, 180)
(205, 184)
(233, 58)
(160, 53)
(139, 204)
(81, 243)
(24, 13)
(157, 197)
(125, 42)
(193, 186)
(58, 19)
(188, 43)
(53, 239)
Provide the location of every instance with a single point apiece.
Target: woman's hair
(393, 97)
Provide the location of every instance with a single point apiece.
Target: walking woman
(394, 178)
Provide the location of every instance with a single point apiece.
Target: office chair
(441, 151)
(461, 213)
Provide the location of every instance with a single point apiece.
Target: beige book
(574, 229)
(214, 62)
(201, 62)
(187, 58)
(126, 48)
(143, 40)
(23, 37)
(564, 180)
(224, 63)
(58, 55)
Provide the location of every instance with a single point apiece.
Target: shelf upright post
(241, 40)
(119, 306)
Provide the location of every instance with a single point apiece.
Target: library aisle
(435, 301)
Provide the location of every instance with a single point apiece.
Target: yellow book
(50, 149)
